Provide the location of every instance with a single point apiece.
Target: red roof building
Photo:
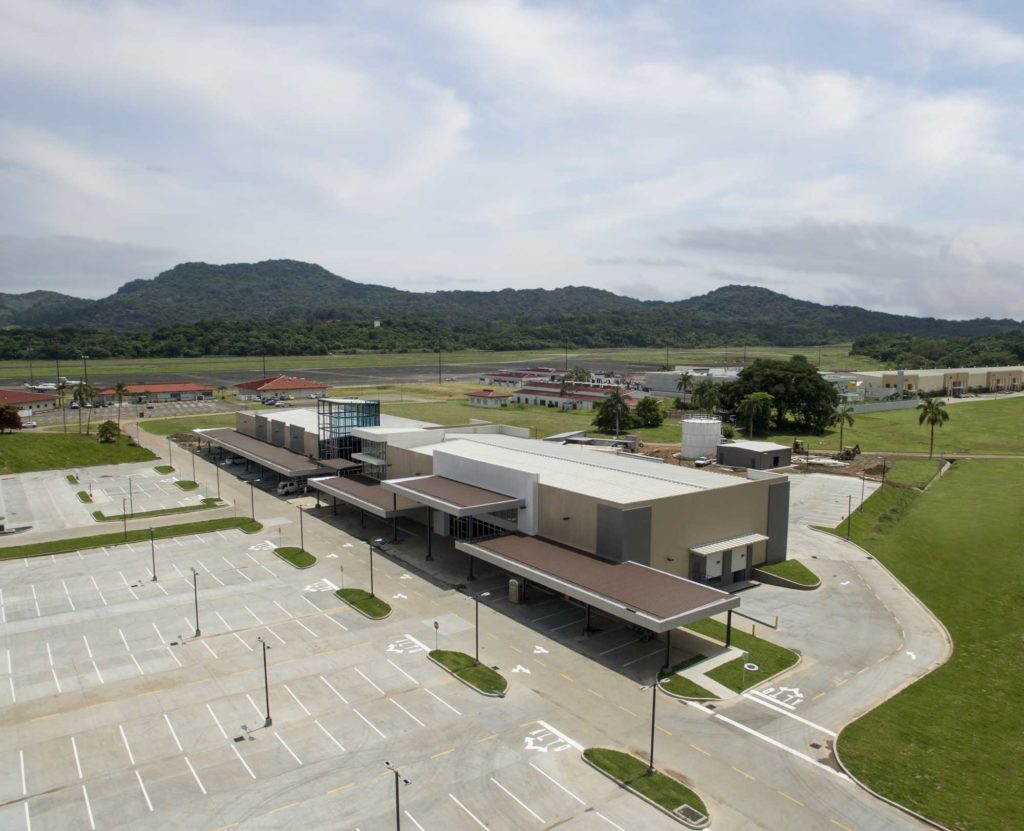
(282, 384)
(488, 398)
(159, 391)
(25, 400)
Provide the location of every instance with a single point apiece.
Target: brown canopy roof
(279, 459)
(454, 497)
(365, 493)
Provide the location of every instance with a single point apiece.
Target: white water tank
(701, 435)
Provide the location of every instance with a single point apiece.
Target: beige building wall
(579, 530)
(408, 461)
(245, 423)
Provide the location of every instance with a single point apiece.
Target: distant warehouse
(280, 386)
(142, 392)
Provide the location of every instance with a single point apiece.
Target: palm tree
(934, 414)
(705, 395)
(120, 390)
(842, 416)
(756, 407)
(84, 394)
(613, 412)
(62, 388)
(684, 383)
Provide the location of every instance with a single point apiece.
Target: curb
(775, 580)
(301, 568)
(464, 681)
(647, 799)
(357, 609)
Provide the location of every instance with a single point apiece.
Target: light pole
(399, 780)
(195, 594)
(252, 500)
(476, 599)
(152, 552)
(124, 517)
(654, 703)
(216, 471)
(371, 544)
(131, 499)
(302, 538)
(266, 684)
(170, 461)
(193, 466)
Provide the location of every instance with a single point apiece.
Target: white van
(287, 487)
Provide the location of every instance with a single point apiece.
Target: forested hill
(312, 309)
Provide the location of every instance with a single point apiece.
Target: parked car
(30, 424)
(73, 405)
(703, 461)
(287, 487)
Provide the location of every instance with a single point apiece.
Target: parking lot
(117, 715)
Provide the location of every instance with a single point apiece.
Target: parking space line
(28, 819)
(259, 712)
(49, 655)
(143, 787)
(216, 720)
(443, 753)
(612, 824)
(236, 568)
(368, 681)
(337, 623)
(137, 666)
(88, 808)
(567, 625)
(247, 554)
(370, 723)
(100, 593)
(124, 738)
(226, 626)
(330, 686)
(244, 763)
(643, 658)
(173, 734)
(195, 775)
(742, 772)
(35, 598)
(175, 657)
(620, 646)
(209, 648)
(124, 640)
(24, 780)
(78, 763)
(293, 695)
(441, 700)
(284, 744)
(533, 813)
(68, 595)
(272, 632)
(98, 673)
(793, 716)
(556, 782)
(159, 585)
(56, 680)
(85, 640)
(256, 616)
(627, 710)
(779, 745)
(410, 715)
(412, 819)
(127, 585)
(464, 808)
(327, 733)
(242, 641)
(303, 625)
(159, 636)
(311, 603)
(406, 674)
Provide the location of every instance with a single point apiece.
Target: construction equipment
(848, 453)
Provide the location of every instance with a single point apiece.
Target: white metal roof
(757, 446)
(612, 478)
(728, 545)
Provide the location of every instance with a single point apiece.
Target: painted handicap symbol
(404, 646)
(324, 585)
(543, 740)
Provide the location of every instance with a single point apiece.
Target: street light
(266, 684)
(252, 499)
(476, 599)
(124, 517)
(152, 552)
(377, 541)
(131, 498)
(399, 780)
(654, 702)
(195, 594)
(302, 537)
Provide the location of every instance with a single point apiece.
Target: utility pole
(195, 594)
(152, 552)
(439, 365)
(266, 683)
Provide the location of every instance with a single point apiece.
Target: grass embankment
(298, 557)
(770, 658)
(983, 426)
(164, 469)
(477, 675)
(24, 452)
(187, 484)
(36, 549)
(792, 570)
(83, 496)
(360, 599)
(209, 502)
(832, 356)
(949, 746)
(185, 424)
(912, 473)
(677, 685)
(667, 792)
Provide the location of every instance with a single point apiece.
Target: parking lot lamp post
(193, 467)
(476, 599)
(152, 552)
(399, 780)
(302, 537)
(124, 517)
(169, 460)
(266, 684)
(195, 594)
(377, 542)
(216, 471)
(654, 704)
(131, 498)
(252, 500)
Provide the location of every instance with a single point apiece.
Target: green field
(22, 452)
(369, 604)
(170, 426)
(792, 570)
(985, 426)
(477, 675)
(770, 658)
(834, 356)
(912, 473)
(951, 745)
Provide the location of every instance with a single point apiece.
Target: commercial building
(281, 385)
(755, 455)
(575, 396)
(142, 392)
(879, 385)
(664, 383)
(482, 483)
(26, 402)
(488, 398)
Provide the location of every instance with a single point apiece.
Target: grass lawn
(296, 556)
(36, 549)
(368, 604)
(770, 658)
(950, 745)
(164, 469)
(22, 452)
(983, 426)
(833, 356)
(792, 570)
(669, 793)
(542, 421)
(912, 473)
(677, 685)
(170, 426)
(477, 675)
(187, 484)
(209, 502)
(84, 497)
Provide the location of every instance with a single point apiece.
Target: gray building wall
(624, 534)
(778, 522)
(736, 456)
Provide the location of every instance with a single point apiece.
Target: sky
(863, 152)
